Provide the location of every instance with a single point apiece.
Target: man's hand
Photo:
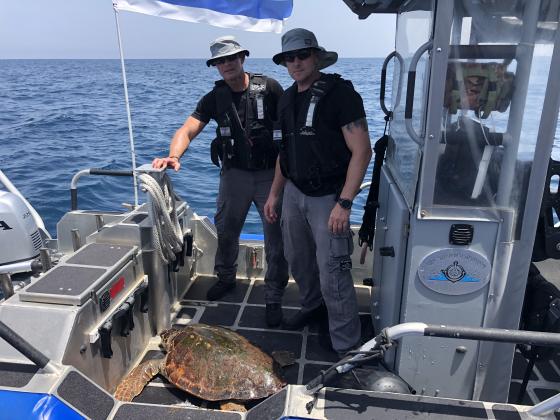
(339, 220)
(179, 144)
(270, 213)
(166, 162)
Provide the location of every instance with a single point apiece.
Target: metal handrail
(396, 55)
(91, 171)
(410, 90)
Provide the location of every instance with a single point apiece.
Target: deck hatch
(84, 274)
(100, 255)
(63, 282)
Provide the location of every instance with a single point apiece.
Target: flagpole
(131, 137)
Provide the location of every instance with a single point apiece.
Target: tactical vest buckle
(225, 131)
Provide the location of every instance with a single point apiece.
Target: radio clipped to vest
(244, 144)
(221, 148)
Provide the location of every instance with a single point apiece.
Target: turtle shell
(215, 364)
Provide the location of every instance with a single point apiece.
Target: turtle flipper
(137, 379)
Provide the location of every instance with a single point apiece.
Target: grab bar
(92, 171)
(410, 91)
(396, 55)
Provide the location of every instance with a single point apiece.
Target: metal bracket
(255, 256)
(103, 329)
(104, 333)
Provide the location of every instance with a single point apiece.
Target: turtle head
(167, 336)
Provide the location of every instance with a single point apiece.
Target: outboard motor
(22, 231)
(20, 238)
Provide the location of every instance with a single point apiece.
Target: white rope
(167, 235)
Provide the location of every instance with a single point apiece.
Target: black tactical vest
(243, 144)
(312, 155)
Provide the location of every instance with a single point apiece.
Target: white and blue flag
(249, 15)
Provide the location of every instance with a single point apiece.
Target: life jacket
(313, 155)
(480, 87)
(236, 145)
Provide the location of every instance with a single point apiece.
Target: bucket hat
(224, 46)
(299, 38)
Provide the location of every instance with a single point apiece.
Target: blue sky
(86, 29)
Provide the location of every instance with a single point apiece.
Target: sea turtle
(210, 362)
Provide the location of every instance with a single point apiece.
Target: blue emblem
(452, 271)
(455, 273)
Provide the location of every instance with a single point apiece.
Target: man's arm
(180, 143)
(270, 213)
(357, 140)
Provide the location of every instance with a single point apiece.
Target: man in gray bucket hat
(324, 153)
(245, 106)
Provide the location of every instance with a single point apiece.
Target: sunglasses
(227, 59)
(289, 57)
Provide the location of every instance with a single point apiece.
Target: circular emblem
(453, 271)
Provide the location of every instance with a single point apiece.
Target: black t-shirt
(342, 105)
(206, 108)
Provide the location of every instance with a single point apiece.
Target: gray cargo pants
(238, 189)
(320, 263)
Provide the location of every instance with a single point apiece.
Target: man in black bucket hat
(324, 153)
(244, 106)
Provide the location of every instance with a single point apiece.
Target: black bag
(541, 312)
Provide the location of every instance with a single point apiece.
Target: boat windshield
(403, 153)
(491, 84)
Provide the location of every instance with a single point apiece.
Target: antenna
(130, 135)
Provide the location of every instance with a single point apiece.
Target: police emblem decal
(454, 272)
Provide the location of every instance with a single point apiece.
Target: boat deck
(243, 310)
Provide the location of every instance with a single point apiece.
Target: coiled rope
(167, 235)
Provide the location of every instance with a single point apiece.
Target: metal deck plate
(101, 255)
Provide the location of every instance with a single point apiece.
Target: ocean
(60, 116)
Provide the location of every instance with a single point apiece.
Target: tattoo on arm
(360, 124)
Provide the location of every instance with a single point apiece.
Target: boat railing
(382, 342)
(91, 171)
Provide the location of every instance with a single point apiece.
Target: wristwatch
(345, 203)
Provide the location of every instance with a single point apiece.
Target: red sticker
(117, 287)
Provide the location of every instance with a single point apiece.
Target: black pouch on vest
(216, 151)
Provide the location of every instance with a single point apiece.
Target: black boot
(303, 318)
(219, 289)
(273, 314)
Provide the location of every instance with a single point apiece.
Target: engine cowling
(20, 239)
